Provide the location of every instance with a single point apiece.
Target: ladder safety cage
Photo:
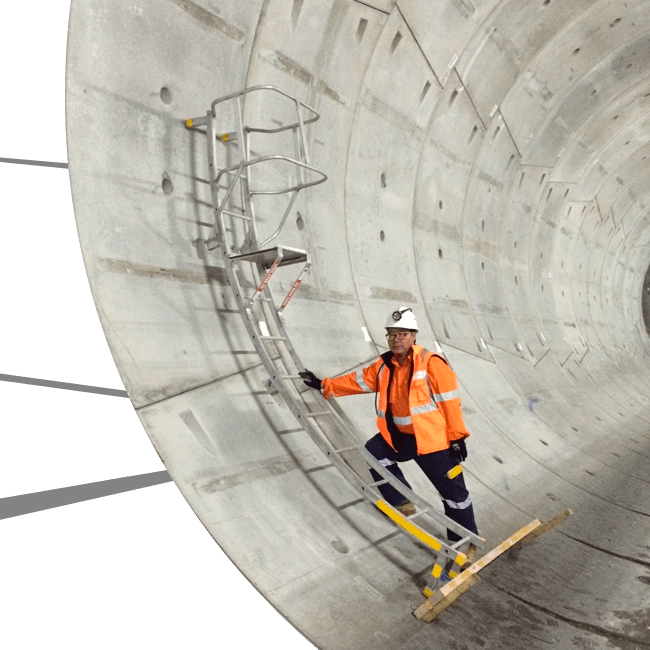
(324, 421)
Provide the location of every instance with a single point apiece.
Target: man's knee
(376, 446)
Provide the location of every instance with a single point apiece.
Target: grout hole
(440, 253)
(167, 185)
(300, 222)
(382, 235)
(166, 95)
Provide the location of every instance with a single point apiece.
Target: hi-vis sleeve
(444, 385)
(354, 383)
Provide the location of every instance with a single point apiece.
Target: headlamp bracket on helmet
(397, 314)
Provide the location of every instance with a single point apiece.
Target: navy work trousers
(455, 497)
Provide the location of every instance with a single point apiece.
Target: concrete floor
(487, 167)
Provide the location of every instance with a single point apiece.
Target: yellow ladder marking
(410, 527)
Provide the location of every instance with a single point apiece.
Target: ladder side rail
(213, 165)
(345, 426)
(334, 457)
(300, 411)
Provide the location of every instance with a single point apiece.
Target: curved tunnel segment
(487, 166)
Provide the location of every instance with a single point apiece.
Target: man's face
(400, 340)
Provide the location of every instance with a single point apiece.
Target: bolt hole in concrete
(382, 235)
(383, 179)
(440, 253)
(167, 185)
(166, 95)
(300, 222)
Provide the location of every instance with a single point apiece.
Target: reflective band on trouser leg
(458, 505)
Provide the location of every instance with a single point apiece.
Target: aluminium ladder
(249, 261)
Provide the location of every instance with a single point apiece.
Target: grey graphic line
(37, 501)
(40, 163)
(63, 385)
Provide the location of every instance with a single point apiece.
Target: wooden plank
(431, 607)
(450, 598)
(544, 528)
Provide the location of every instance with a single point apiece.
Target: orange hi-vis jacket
(427, 407)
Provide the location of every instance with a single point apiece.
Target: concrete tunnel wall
(487, 167)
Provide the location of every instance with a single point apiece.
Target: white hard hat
(403, 318)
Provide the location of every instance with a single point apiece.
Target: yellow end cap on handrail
(224, 137)
(188, 123)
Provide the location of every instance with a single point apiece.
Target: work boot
(407, 508)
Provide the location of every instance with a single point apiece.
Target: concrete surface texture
(487, 165)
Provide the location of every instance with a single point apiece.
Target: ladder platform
(269, 256)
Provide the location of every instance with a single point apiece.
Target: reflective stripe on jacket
(434, 416)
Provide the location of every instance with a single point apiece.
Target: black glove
(310, 379)
(458, 450)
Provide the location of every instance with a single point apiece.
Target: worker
(418, 416)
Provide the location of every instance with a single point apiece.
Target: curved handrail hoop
(247, 163)
(298, 102)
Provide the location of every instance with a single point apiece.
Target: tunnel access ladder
(240, 178)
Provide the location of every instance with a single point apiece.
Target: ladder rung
(376, 483)
(318, 414)
(460, 542)
(344, 449)
(237, 215)
(273, 338)
(290, 377)
(419, 513)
